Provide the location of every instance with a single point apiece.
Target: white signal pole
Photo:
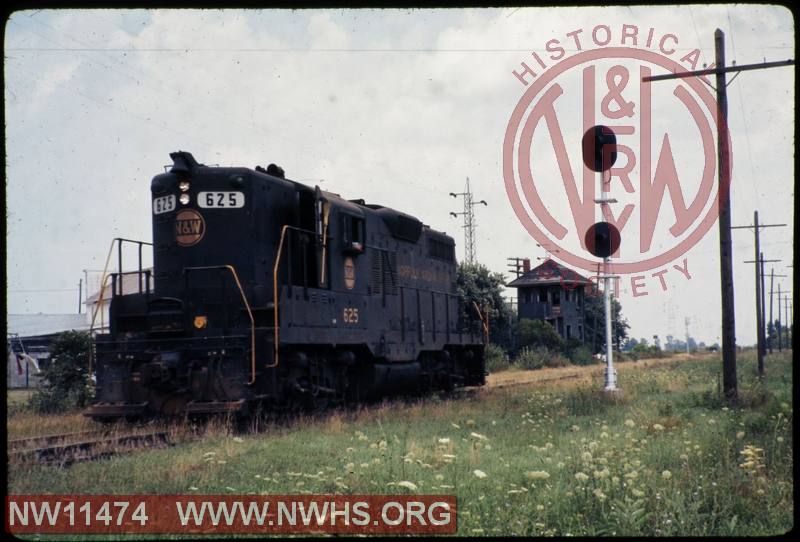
(605, 210)
(599, 154)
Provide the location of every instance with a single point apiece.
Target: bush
(538, 333)
(66, 381)
(581, 355)
(496, 359)
(555, 359)
(530, 358)
(536, 358)
(642, 351)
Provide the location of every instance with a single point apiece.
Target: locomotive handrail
(485, 322)
(275, 269)
(104, 280)
(326, 209)
(249, 313)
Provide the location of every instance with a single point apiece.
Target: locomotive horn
(182, 162)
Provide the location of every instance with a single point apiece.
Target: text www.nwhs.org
(313, 513)
(231, 514)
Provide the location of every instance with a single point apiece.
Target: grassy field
(18, 397)
(667, 458)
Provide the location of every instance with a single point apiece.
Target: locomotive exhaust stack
(266, 291)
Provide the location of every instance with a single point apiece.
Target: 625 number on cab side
(350, 315)
(220, 200)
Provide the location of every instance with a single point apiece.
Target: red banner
(230, 514)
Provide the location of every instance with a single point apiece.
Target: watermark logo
(664, 178)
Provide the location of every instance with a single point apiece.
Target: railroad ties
(68, 448)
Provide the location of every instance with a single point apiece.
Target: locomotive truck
(267, 292)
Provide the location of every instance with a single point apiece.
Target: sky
(398, 107)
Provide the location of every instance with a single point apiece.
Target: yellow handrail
(249, 313)
(252, 326)
(103, 281)
(325, 213)
(99, 304)
(275, 268)
(275, 294)
(485, 322)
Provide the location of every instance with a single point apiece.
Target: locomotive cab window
(352, 233)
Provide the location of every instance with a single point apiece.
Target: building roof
(548, 272)
(130, 284)
(35, 325)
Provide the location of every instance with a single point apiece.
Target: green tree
(476, 284)
(538, 333)
(594, 321)
(66, 382)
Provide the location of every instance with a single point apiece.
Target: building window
(569, 331)
(556, 298)
(542, 296)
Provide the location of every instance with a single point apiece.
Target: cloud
(395, 106)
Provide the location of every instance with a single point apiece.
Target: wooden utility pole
(518, 266)
(763, 305)
(761, 316)
(786, 324)
(771, 326)
(729, 378)
(760, 293)
(780, 326)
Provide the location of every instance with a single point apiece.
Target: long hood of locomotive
(230, 239)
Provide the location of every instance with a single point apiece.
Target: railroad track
(535, 381)
(488, 388)
(40, 441)
(68, 448)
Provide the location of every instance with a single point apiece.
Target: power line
(42, 290)
(170, 93)
(307, 50)
(760, 294)
(75, 90)
(724, 163)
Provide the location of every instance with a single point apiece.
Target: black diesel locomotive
(267, 292)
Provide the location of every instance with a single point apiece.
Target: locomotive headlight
(184, 199)
(184, 186)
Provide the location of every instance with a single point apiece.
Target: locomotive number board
(164, 204)
(220, 200)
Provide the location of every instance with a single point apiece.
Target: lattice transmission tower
(469, 221)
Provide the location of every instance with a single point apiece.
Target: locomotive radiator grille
(383, 276)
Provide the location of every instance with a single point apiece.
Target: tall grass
(668, 457)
